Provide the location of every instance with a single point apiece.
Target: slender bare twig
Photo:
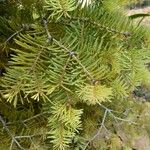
(14, 34)
(121, 119)
(99, 130)
(11, 36)
(11, 135)
(38, 115)
(107, 112)
(28, 119)
(115, 117)
(24, 137)
(16, 138)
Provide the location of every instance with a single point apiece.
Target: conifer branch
(64, 70)
(48, 64)
(23, 28)
(87, 20)
(36, 60)
(71, 53)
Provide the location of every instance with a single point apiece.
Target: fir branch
(71, 53)
(64, 123)
(60, 8)
(87, 20)
(36, 60)
(64, 70)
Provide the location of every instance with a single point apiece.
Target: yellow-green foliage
(69, 74)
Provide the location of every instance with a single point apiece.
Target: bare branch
(34, 117)
(99, 130)
(11, 135)
(26, 120)
(7, 40)
(107, 112)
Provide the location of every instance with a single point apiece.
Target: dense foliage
(68, 71)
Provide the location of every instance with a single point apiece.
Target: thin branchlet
(87, 20)
(99, 130)
(102, 126)
(11, 135)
